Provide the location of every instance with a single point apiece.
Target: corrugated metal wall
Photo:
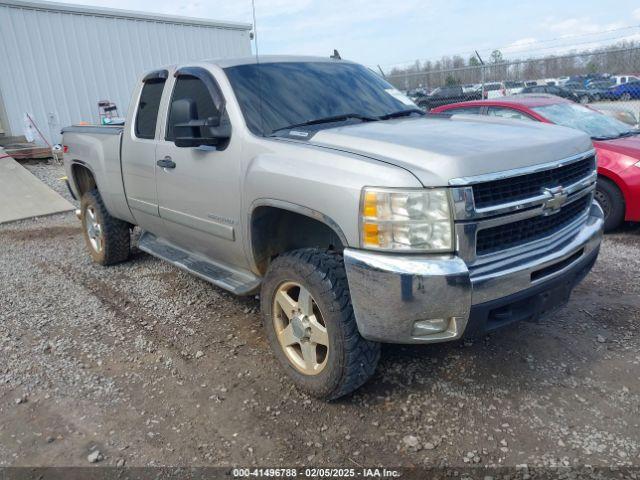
(57, 65)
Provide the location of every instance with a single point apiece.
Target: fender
(291, 207)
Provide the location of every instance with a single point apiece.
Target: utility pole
(481, 72)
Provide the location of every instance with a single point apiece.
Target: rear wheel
(625, 97)
(309, 320)
(611, 201)
(108, 239)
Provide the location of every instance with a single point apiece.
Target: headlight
(411, 220)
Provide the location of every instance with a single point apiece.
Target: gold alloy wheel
(300, 328)
(93, 228)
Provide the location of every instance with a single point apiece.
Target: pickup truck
(358, 218)
(446, 95)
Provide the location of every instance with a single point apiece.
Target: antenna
(255, 29)
(255, 39)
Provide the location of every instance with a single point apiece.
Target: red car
(617, 145)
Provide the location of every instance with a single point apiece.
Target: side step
(238, 283)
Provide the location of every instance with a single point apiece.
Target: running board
(238, 283)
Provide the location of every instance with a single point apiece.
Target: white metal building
(58, 60)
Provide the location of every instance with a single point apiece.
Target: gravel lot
(148, 365)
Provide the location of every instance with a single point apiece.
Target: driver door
(199, 187)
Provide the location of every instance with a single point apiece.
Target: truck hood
(437, 149)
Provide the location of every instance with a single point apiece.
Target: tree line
(621, 58)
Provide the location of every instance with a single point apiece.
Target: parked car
(617, 145)
(626, 91)
(505, 89)
(593, 92)
(622, 79)
(552, 90)
(445, 95)
(358, 218)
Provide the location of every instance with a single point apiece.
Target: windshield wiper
(331, 119)
(401, 113)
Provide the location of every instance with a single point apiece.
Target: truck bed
(98, 148)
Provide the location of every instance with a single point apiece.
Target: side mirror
(189, 131)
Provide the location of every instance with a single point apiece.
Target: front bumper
(394, 295)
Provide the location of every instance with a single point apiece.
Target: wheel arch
(82, 178)
(278, 217)
(617, 182)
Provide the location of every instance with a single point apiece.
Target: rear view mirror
(189, 131)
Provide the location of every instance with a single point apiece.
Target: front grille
(512, 189)
(517, 233)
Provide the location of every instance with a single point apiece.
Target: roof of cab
(237, 61)
(252, 60)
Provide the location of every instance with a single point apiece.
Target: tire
(596, 98)
(625, 97)
(348, 360)
(584, 99)
(108, 239)
(611, 201)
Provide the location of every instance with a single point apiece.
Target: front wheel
(108, 239)
(625, 97)
(310, 324)
(611, 201)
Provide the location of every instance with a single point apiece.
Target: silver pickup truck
(357, 217)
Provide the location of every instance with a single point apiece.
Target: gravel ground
(142, 364)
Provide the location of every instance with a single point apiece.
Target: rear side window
(197, 94)
(148, 107)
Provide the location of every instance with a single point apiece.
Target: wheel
(310, 324)
(107, 238)
(625, 97)
(584, 99)
(424, 106)
(612, 203)
(596, 98)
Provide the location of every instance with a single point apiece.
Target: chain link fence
(607, 80)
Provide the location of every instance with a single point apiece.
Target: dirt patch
(153, 366)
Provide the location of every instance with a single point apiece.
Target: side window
(504, 112)
(190, 98)
(464, 111)
(147, 114)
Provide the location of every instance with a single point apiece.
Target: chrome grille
(513, 214)
(511, 235)
(488, 194)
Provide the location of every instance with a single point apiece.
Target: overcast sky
(388, 32)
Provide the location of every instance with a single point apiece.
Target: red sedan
(617, 145)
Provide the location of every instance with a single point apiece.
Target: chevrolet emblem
(557, 198)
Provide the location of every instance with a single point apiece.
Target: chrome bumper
(398, 298)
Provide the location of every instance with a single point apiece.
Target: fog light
(429, 327)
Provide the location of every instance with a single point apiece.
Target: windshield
(273, 96)
(582, 118)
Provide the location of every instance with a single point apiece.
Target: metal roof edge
(118, 13)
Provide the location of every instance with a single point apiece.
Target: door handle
(166, 162)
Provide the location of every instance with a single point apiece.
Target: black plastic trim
(207, 78)
(156, 75)
(530, 304)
